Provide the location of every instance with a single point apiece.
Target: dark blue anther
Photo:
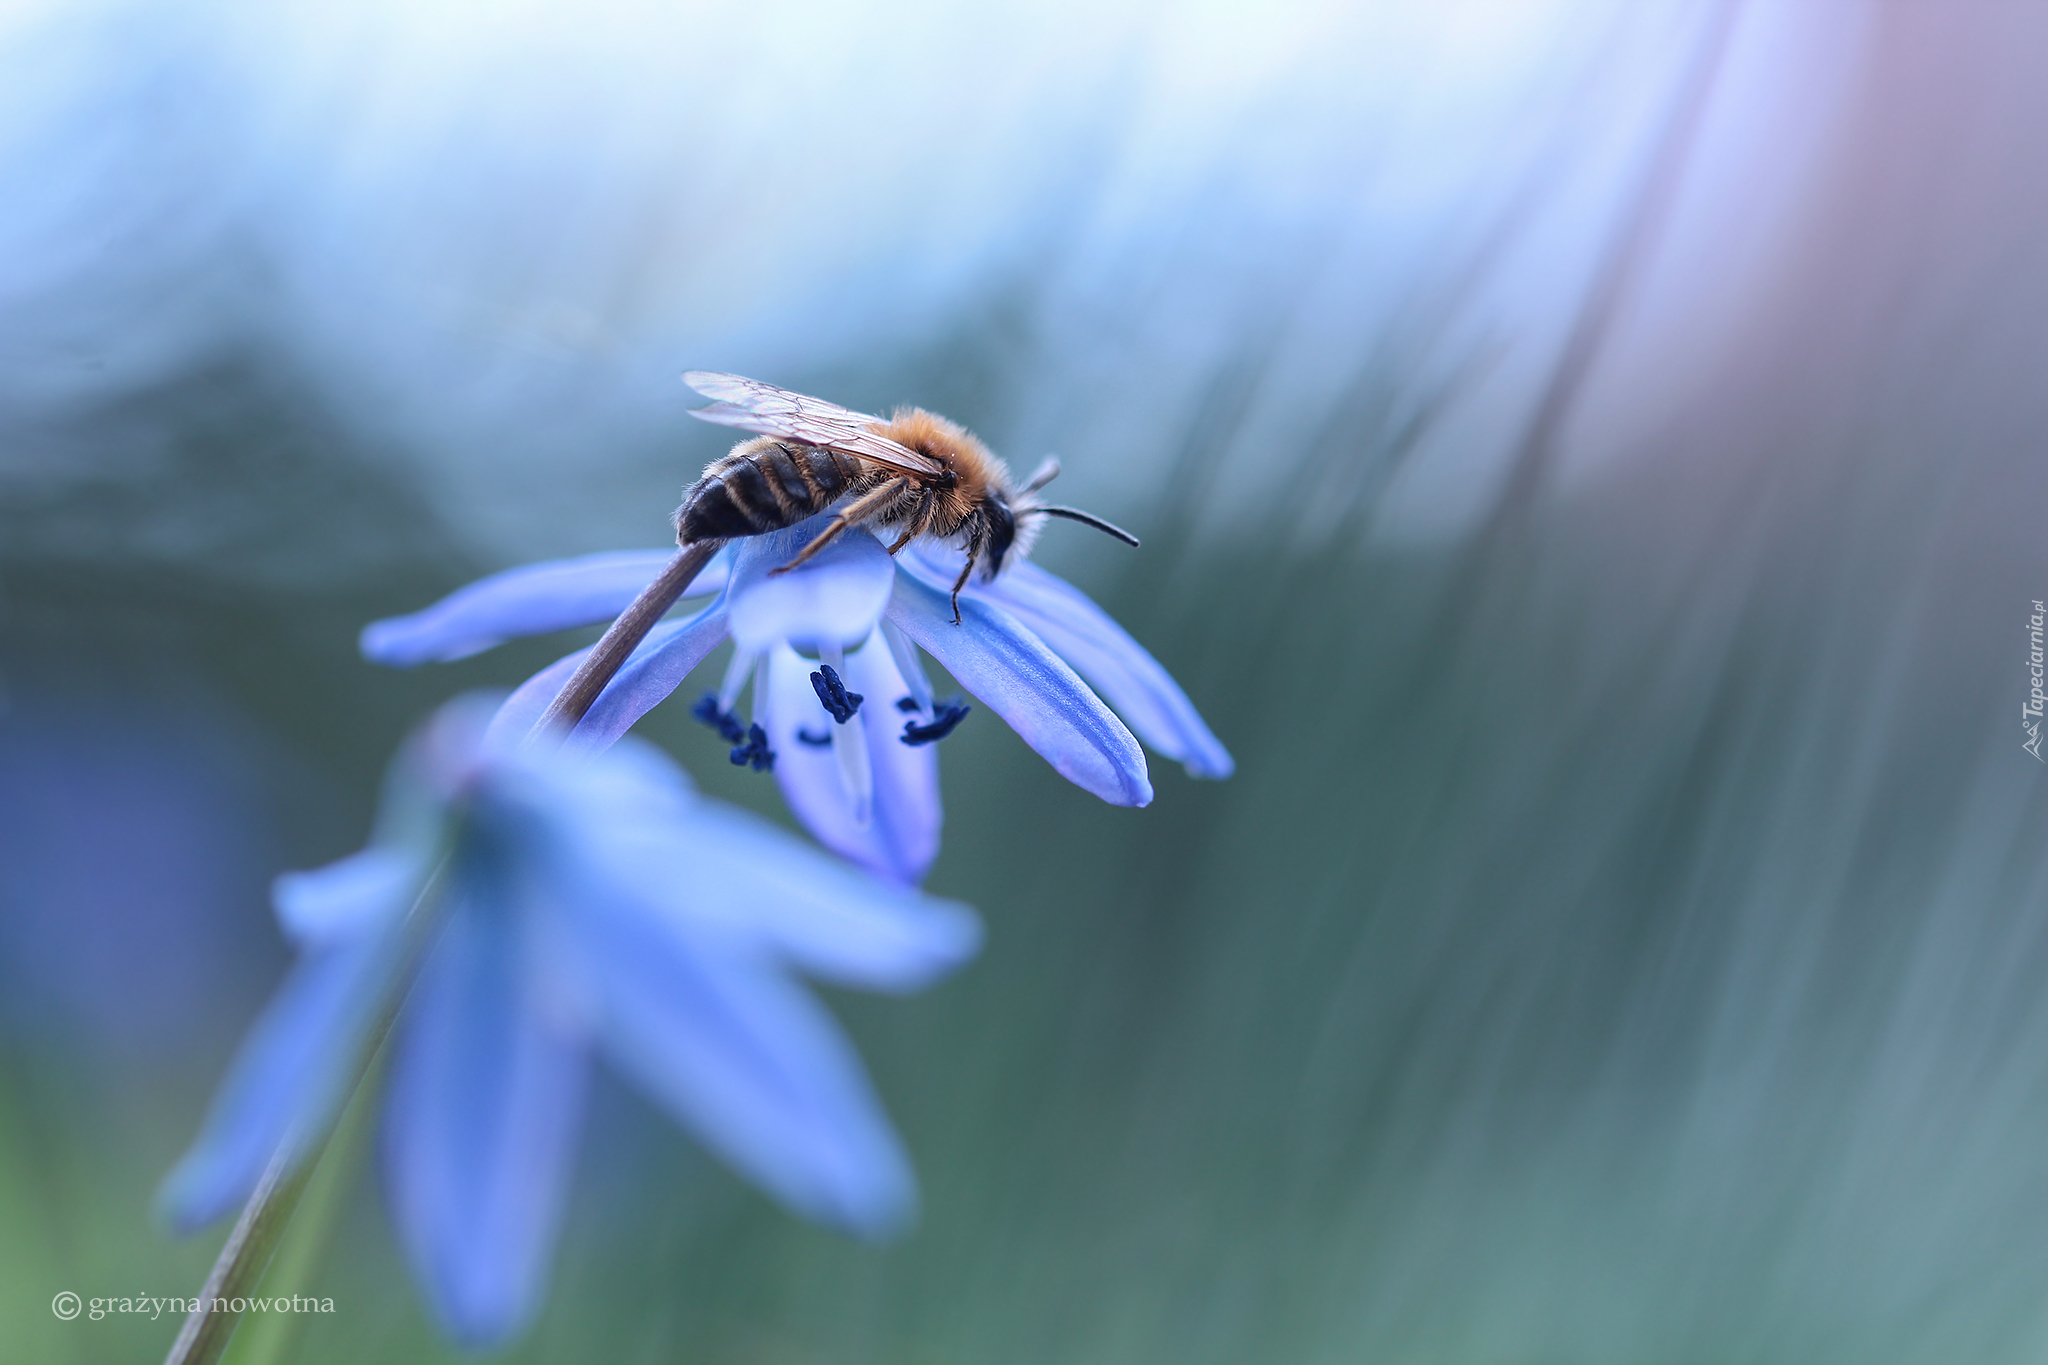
(833, 694)
(817, 741)
(755, 753)
(725, 722)
(947, 715)
(906, 704)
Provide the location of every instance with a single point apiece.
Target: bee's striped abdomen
(762, 486)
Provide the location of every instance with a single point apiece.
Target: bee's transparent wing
(751, 405)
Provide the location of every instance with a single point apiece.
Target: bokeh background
(1590, 461)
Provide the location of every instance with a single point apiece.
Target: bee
(915, 473)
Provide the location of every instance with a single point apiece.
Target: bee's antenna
(1048, 470)
(1089, 519)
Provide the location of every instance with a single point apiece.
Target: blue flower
(591, 904)
(867, 786)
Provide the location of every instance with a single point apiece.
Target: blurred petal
(480, 1126)
(631, 786)
(530, 600)
(1089, 639)
(835, 923)
(835, 598)
(755, 1068)
(633, 822)
(901, 838)
(285, 1080)
(657, 668)
(529, 701)
(349, 897)
(440, 760)
(1025, 683)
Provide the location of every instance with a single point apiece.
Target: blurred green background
(1621, 940)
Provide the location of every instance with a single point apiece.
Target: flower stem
(246, 1255)
(241, 1262)
(302, 1249)
(624, 636)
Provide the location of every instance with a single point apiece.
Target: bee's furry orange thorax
(974, 468)
(948, 442)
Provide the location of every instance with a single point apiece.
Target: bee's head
(1014, 514)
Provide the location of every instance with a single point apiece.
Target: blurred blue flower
(867, 786)
(590, 903)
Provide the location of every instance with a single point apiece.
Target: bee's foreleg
(973, 553)
(904, 539)
(846, 516)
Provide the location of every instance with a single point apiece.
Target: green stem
(240, 1263)
(304, 1245)
(254, 1240)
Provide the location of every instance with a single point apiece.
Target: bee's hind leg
(845, 517)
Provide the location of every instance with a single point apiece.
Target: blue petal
(357, 894)
(901, 838)
(834, 923)
(1011, 670)
(440, 760)
(530, 600)
(480, 1125)
(748, 1062)
(703, 868)
(1103, 652)
(286, 1079)
(835, 598)
(529, 701)
(656, 669)
(908, 808)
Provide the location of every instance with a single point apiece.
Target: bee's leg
(818, 542)
(917, 522)
(973, 553)
(845, 517)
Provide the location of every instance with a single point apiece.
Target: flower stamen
(832, 694)
(725, 722)
(849, 742)
(755, 753)
(949, 713)
(907, 664)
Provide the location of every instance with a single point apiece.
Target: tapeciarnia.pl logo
(2030, 714)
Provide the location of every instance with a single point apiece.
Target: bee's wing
(751, 405)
